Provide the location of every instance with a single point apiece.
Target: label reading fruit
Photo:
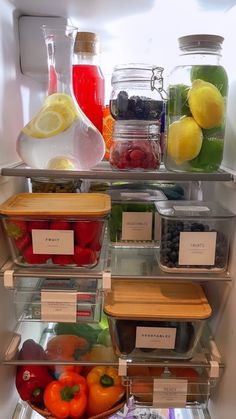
(155, 337)
(58, 306)
(137, 226)
(53, 242)
(197, 248)
(169, 392)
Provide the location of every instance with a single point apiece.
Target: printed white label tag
(155, 337)
(58, 306)
(197, 248)
(169, 392)
(136, 226)
(53, 242)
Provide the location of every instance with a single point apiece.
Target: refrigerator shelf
(123, 262)
(103, 171)
(204, 357)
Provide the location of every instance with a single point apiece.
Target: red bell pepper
(31, 380)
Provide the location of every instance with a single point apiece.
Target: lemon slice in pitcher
(51, 120)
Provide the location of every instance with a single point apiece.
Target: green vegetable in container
(86, 331)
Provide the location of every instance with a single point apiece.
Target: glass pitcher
(60, 136)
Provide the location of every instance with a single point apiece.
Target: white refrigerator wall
(130, 31)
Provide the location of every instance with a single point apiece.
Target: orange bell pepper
(105, 389)
(66, 347)
(66, 397)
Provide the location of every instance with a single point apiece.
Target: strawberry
(62, 259)
(86, 232)
(37, 225)
(60, 225)
(84, 256)
(96, 243)
(16, 228)
(23, 241)
(34, 258)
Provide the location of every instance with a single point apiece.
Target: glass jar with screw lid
(197, 94)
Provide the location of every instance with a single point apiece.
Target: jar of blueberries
(135, 145)
(137, 92)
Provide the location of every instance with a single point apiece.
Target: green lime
(178, 101)
(210, 156)
(214, 74)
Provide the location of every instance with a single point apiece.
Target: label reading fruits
(53, 242)
(197, 248)
(136, 226)
(58, 306)
(155, 337)
(169, 392)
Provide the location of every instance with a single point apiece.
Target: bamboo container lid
(57, 204)
(153, 300)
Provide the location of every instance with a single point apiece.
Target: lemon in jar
(184, 140)
(56, 115)
(206, 104)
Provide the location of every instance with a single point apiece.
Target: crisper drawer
(55, 300)
(171, 388)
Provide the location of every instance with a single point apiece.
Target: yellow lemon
(50, 120)
(60, 163)
(184, 140)
(206, 104)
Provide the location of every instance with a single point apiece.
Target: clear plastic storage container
(48, 185)
(151, 319)
(134, 220)
(70, 300)
(54, 230)
(195, 236)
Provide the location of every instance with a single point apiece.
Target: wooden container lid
(152, 300)
(57, 204)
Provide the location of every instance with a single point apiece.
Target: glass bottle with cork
(88, 80)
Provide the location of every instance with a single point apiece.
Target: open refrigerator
(133, 31)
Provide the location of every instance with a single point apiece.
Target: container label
(137, 226)
(58, 306)
(169, 392)
(197, 248)
(53, 242)
(155, 337)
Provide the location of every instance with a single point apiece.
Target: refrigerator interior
(130, 31)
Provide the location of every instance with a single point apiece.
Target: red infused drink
(88, 84)
(88, 80)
